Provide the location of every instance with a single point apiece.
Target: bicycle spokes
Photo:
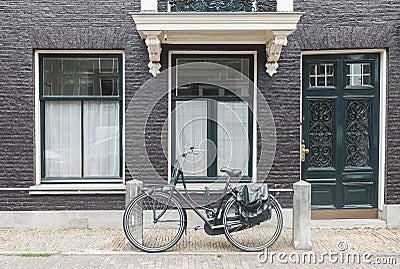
(154, 222)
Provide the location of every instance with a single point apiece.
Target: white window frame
(73, 188)
(254, 148)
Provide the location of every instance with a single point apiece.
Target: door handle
(304, 151)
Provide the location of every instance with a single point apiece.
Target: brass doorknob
(304, 151)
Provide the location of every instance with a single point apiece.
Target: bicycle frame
(172, 189)
(177, 172)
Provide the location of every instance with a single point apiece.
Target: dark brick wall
(94, 24)
(22, 201)
(54, 24)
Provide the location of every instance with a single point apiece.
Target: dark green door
(341, 129)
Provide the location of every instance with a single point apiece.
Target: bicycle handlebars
(193, 151)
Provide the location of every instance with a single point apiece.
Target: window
(321, 75)
(358, 74)
(215, 115)
(81, 114)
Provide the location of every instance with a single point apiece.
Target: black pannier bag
(254, 204)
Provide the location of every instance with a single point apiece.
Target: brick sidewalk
(86, 240)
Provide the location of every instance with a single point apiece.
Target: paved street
(78, 240)
(175, 260)
(105, 248)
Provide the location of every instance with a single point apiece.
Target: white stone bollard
(302, 215)
(133, 189)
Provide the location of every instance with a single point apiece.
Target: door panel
(358, 195)
(321, 132)
(340, 129)
(324, 194)
(358, 115)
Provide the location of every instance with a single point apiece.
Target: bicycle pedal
(196, 228)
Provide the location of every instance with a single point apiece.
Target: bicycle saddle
(232, 172)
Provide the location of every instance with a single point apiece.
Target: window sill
(77, 189)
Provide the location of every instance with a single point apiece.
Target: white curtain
(63, 139)
(101, 138)
(191, 130)
(233, 137)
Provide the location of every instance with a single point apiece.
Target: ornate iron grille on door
(321, 132)
(357, 132)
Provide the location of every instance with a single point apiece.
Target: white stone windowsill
(60, 189)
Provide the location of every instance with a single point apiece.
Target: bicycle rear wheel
(252, 237)
(154, 222)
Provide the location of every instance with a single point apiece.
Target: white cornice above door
(269, 28)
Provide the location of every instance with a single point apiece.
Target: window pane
(321, 81)
(101, 138)
(107, 87)
(367, 80)
(233, 138)
(222, 75)
(312, 81)
(63, 139)
(320, 69)
(107, 65)
(189, 90)
(312, 69)
(80, 76)
(329, 69)
(191, 130)
(321, 75)
(359, 74)
(366, 68)
(356, 69)
(357, 80)
(211, 90)
(330, 81)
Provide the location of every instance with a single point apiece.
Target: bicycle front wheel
(154, 222)
(252, 237)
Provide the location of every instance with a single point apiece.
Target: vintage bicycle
(156, 219)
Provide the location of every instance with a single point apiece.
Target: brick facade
(103, 25)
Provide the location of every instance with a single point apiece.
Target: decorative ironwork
(266, 6)
(222, 5)
(321, 133)
(211, 5)
(357, 132)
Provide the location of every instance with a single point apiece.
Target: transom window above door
(322, 75)
(215, 116)
(81, 117)
(358, 74)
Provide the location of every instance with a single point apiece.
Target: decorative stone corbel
(153, 44)
(274, 49)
